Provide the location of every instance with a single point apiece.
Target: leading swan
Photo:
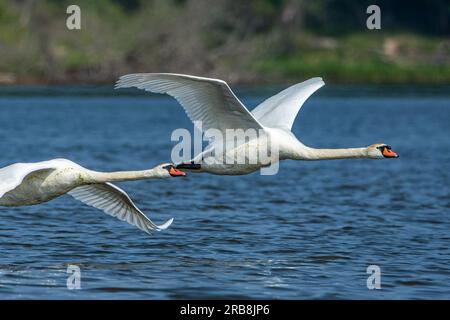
(24, 184)
(211, 103)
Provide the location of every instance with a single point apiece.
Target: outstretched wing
(114, 201)
(280, 110)
(210, 101)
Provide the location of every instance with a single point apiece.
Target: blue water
(309, 232)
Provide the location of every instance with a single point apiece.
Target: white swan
(33, 183)
(212, 102)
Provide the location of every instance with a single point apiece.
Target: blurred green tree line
(256, 41)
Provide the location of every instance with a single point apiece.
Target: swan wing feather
(210, 101)
(115, 202)
(280, 110)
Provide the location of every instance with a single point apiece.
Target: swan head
(167, 170)
(380, 151)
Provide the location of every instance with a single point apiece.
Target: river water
(309, 232)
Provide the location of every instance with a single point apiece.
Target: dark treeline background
(258, 41)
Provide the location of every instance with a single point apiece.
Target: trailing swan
(24, 184)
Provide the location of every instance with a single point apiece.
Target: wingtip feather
(316, 79)
(127, 80)
(165, 225)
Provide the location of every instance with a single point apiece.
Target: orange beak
(388, 153)
(176, 173)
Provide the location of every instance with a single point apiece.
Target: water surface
(308, 232)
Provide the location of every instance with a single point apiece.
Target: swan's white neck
(102, 177)
(307, 153)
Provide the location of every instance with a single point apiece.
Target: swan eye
(168, 167)
(381, 148)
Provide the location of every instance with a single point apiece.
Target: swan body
(24, 184)
(211, 103)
